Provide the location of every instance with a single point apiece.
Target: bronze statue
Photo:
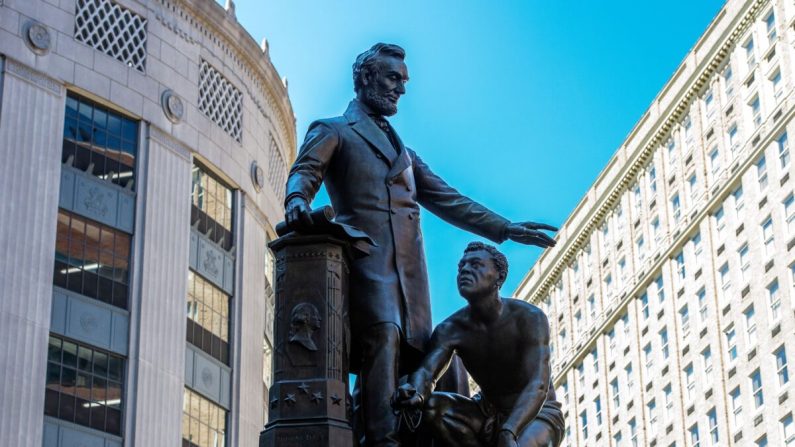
(504, 344)
(377, 185)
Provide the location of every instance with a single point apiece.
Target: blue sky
(518, 104)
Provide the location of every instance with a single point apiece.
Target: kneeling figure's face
(477, 274)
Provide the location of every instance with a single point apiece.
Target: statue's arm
(441, 199)
(307, 173)
(536, 360)
(440, 352)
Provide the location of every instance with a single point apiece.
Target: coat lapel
(364, 126)
(403, 161)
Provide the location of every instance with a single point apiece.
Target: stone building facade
(146, 146)
(670, 292)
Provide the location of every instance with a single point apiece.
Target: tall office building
(146, 145)
(670, 292)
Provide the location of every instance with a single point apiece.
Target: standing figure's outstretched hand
(529, 233)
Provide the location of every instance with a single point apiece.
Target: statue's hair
(365, 61)
(499, 259)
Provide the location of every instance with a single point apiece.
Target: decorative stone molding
(207, 376)
(212, 262)
(220, 100)
(96, 199)
(88, 320)
(169, 142)
(173, 107)
(113, 30)
(257, 176)
(37, 37)
(34, 77)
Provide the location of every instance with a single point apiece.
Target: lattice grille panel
(220, 100)
(116, 31)
(276, 169)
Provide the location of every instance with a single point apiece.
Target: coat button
(411, 216)
(389, 182)
(379, 156)
(393, 211)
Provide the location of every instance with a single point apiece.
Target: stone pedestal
(308, 405)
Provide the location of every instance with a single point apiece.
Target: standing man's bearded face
(384, 84)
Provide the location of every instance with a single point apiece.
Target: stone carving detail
(37, 37)
(221, 101)
(210, 263)
(35, 77)
(207, 377)
(95, 202)
(304, 322)
(88, 322)
(173, 107)
(257, 175)
(277, 169)
(113, 30)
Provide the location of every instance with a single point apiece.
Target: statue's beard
(378, 103)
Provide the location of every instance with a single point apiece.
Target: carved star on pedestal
(304, 388)
(335, 399)
(274, 403)
(316, 397)
(290, 399)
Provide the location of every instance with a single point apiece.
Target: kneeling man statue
(504, 345)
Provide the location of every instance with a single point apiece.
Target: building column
(157, 348)
(31, 126)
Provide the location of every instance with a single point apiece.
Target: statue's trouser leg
(454, 420)
(379, 379)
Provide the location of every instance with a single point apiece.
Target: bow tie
(381, 123)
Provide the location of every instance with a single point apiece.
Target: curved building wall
(670, 292)
(146, 145)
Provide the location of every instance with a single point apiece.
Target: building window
(208, 317)
(788, 429)
(690, 381)
(745, 262)
(781, 366)
(694, 438)
(616, 393)
(709, 103)
(628, 375)
(761, 173)
(739, 202)
(706, 357)
(644, 305)
(770, 27)
(767, 236)
(648, 360)
(774, 298)
(664, 343)
(688, 127)
(684, 318)
(783, 151)
(116, 31)
(203, 422)
(702, 305)
(220, 100)
(734, 138)
(750, 325)
(714, 160)
(720, 223)
(680, 266)
(712, 417)
(756, 388)
(651, 408)
(580, 377)
(750, 55)
(669, 402)
(737, 408)
(676, 207)
(725, 278)
(731, 342)
(728, 87)
(633, 432)
(597, 404)
(637, 198)
(692, 186)
(92, 259)
(584, 423)
(789, 213)
(756, 111)
(595, 360)
(211, 207)
(671, 146)
(778, 87)
(658, 282)
(698, 249)
(84, 385)
(617, 441)
(652, 179)
(100, 142)
(640, 248)
(761, 442)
